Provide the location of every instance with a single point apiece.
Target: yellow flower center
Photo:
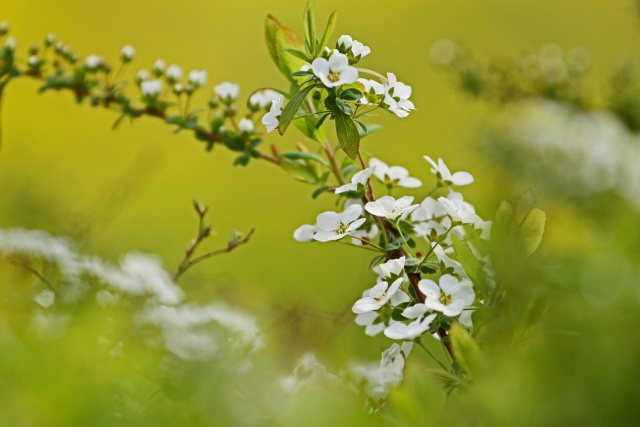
(333, 77)
(445, 299)
(342, 228)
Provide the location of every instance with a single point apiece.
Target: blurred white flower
(305, 233)
(151, 88)
(93, 62)
(174, 73)
(45, 298)
(227, 91)
(245, 125)
(158, 67)
(197, 77)
(127, 53)
(411, 331)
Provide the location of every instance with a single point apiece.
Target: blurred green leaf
(466, 350)
(532, 229)
(309, 127)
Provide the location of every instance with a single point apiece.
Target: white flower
(151, 87)
(458, 178)
(263, 99)
(460, 210)
(174, 73)
(415, 311)
(128, 53)
(362, 234)
(390, 208)
(158, 67)
(305, 233)
(336, 71)
(272, 119)
(306, 67)
(33, 60)
(376, 297)
(450, 298)
(335, 226)
(227, 91)
(359, 50)
(393, 267)
(93, 62)
(245, 125)
(372, 89)
(345, 42)
(142, 75)
(10, 43)
(4, 27)
(198, 77)
(397, 96)
(448, 262)
(45, 298)
(358, 181)
(402, 331)
(394, 175)
(428, 209)
(367, 319)
(50, 39)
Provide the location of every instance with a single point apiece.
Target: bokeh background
(63, 169)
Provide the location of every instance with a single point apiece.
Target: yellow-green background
(61, 164)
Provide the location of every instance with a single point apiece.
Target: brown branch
(35, 273)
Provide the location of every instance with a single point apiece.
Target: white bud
(158, 67)
(4, 27)
(227, 91)
(245, 125)
(198, 77)
(33, 60)
(50, 39)
(174, 73)
(92, 62)
(151, 87)
(10, 44)
(127, 53)
(142, 75)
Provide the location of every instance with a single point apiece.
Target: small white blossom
(50, 39)
(390, 208)
(158, 67)
(10, 43)
(263, 99)
(372, 90)
(4, 27)
(174, 73)
(335, 226)
(428, 209)
(127, 53)
(245, 125)
(393, 267)
(402, 331)
(358, 49)
(272, 119)
(198, 77)
(376, 297)
(345, 42)
(142, 75)
(441, 170)
(93, 62)
(336, 71)
(151, 87)
(33, 60)
(415, 311)
(305, 233)
(358, 181)
(367, 319)
(46, 298)
(460, 210)
(227, 91)
(394, 175)
(450, 297)
(397, 96)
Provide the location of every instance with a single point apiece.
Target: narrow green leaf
(298, 170)
(471, 265)
(466, 351)
(308, 126)
(289, 111)
(298, 54)
(304, 155)
(370, 129)
(270, 28)
(310, 26)
(331, 25)
(322, 119)
(347, 134)
(319, 191)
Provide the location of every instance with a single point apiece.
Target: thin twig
(35, 272)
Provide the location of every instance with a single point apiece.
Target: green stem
(403, 239)
(432, 355)
(434, 246)
(367, 242)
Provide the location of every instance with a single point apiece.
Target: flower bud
(127, 53)
(33, 61)
(198, 78)
(151, 88)
(173, 74)
(59, 48)
(178, 89)
(227, 92)
(245, 125)
(4, 28)
(141, 76)
(158, 67)
(214, 102)
(50, 39)
(33, 49)
(10, 44)
(93, 62)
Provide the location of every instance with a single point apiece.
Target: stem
(369, 186)
(432, 355)
(310, 114)
(35, 272)
(367, 242)
(403, 239)
(332, 160)
(434, 246)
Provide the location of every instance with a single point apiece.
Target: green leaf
(308, 125)
(303, 155)
(351, 94)
(471, 265)
(289, 111)
(322, 119)
(347, 134)
(270, 28)
(370, 129)
(362, 129)
(298, 170)
(466, 350)
(524, 205)
(532, 229)
(331, 24)
(344, 107)
(319, 191)
(298, 54)
(288, 64)
(310, 26)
